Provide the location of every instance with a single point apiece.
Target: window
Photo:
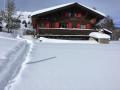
(63, 24)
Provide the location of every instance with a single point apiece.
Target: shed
(100, 37)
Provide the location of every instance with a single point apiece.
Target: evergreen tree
(2, 15)
(9, 16)
(25, 23)
(106, 23)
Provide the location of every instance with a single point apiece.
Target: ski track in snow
(12, 55)
(16, 80)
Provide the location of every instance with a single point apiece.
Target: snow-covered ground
(48, 40)
(6, 35)
(12, 54)
(70, 66)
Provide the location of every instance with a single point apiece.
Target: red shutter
(57, 25)
(47, 25)
(78, 25)
(69, 25)
(66, 14)
(76, 15)
(93, 21)
(37, 28)
(79, 15)
(88, 26)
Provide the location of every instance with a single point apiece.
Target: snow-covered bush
(99, 35)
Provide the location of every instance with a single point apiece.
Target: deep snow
(76, 67)
(99, 35)
(12, 54)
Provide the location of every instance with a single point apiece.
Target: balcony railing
(65, 31)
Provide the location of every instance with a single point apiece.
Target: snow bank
(48, 40)
(5, 35)
(13, 53)
(99, 35)
(23, 66)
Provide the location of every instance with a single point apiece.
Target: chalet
(71, 21)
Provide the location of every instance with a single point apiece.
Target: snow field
(76, 67)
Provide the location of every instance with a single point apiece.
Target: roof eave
(65, 5)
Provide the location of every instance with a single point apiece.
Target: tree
(94, 8)
(106, 23)
(25, 23)
(10, 10)
(2, 15)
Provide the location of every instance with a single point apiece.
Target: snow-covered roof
(99, 35)
(104, 29)
(63, 5)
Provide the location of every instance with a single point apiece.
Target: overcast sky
(109, 7)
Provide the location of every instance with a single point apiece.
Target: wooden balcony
(65, 33)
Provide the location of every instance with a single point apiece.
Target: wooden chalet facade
(66, 21)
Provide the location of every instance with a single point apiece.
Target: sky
(109, 7)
